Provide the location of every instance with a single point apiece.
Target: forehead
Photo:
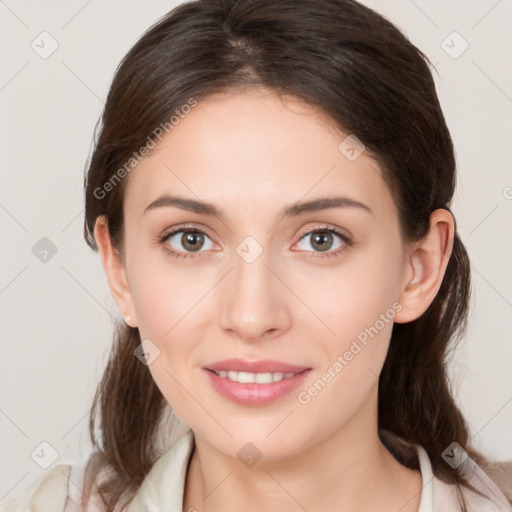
(252, 150)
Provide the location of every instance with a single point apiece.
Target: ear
(425, 267)
(115, 271)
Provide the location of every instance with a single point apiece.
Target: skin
(251, 153)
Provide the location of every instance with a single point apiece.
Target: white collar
(427, 476)
(162, 489)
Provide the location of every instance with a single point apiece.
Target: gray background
(56, 315)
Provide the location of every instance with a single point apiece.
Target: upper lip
(263, 366)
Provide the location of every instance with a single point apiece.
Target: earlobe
(115, 271)
(425, 267)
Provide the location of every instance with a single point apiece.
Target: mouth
(254, 383)
(254, 378)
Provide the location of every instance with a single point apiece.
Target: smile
(268, 382)
(254, 378)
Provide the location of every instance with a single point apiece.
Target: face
(309, 296)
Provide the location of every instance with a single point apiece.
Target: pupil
(323, 240)
(192, 241)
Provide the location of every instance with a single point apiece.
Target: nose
(255, 303)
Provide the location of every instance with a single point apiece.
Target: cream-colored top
(58, 490)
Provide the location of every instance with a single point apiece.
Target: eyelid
(174, 230)
(321, 226)
(324, 226)
(346, 240)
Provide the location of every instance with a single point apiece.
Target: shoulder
(47, 493)
(501, 474)
(485, 480)
(62, 488)
(492, 479)
(72, 487)
(446, 496)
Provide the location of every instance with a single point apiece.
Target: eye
(323, 239)
(184, 240)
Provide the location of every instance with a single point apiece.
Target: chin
(260, 439)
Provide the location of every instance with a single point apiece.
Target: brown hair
(371, 81)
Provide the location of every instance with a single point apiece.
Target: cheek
(353, 362)
(363, 321)
(357, 305)
(177, 390)
(166, 294)
(171, 308)
(353, 296)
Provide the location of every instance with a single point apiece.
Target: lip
(254, 394)
(263, 366)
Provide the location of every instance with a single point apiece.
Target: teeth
(251, 378)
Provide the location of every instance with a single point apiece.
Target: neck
(349, 470)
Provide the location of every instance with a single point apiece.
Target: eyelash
(189, 229)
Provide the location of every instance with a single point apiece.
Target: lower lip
(255, 394)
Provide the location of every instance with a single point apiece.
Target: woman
(270, 195)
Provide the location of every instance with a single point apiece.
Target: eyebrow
(293, 210)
